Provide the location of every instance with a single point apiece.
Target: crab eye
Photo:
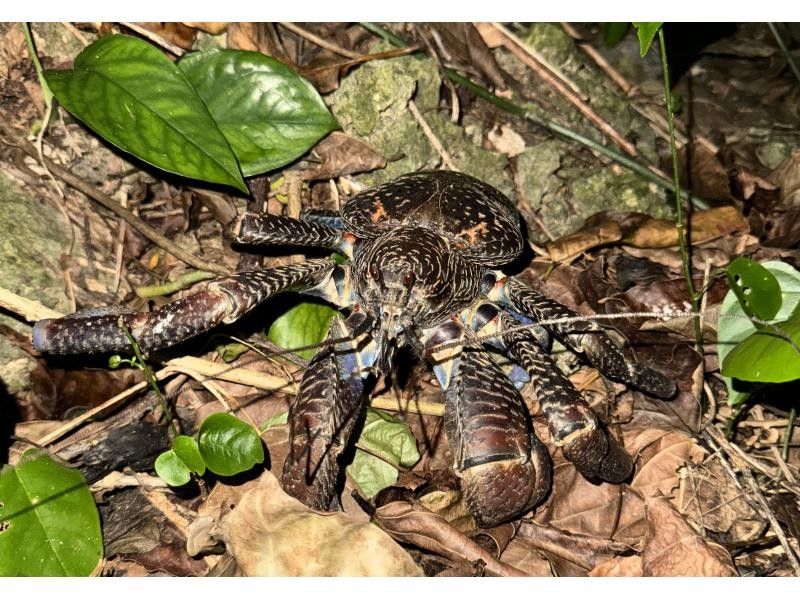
(374, 272)
(409, 279)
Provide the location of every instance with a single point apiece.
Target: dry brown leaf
(706, 225)
(521, 555)
(270, 533)
(568, 247)
(661, 453)
(414, 524)
(579, 506)
(710, 499)
(586, 552)
(787, 177)
(619, 566)
(209, 27)
(340, 154)
(708, 176)
(672, 548)
(176, 33)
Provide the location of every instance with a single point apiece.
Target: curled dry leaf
(412, 523)
(708, 177)
(570, 246)
(522, 555)
(270, 533)
(706, 225)
(672, 548)
(584, 551)
(506, 140)
(661, 453)
(619, 566)
(340, 154)
(209, 27)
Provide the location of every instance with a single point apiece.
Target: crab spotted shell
(480, 223)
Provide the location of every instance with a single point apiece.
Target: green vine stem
(694, 296)
(785, 50)
(148, 374)
(186, 280)
(789, 431)
(551, 126)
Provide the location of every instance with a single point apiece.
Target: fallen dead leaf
(706, 225)
(270, 533)
(522, 555)
(707, 176)
(570, 246)
(340, 154)
(672, 548)
(411, 523)
(176, 33)
(209, 27)
(619, 566)
(506, 140)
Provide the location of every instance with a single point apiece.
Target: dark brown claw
(504, 470)
(585, 336)
(572, 423)
(321, 420)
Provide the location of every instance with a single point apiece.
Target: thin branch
(432, 138)
(155, 38)
(785, 50)
(134, 221)
(322, 43)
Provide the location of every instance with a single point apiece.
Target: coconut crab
(424, 256)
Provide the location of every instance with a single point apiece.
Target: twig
(785, 50)
(75, 33)
(434, 141)
(32, 311)
(521, 51)
(155, 38)
(767, 512)
(789, 431)
(396, 53)
(408, 406)
(313, 38)
(135, 222)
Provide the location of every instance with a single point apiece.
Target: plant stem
(679, 219)
(148, 374)
(37, 65)
(789, 430)
(551, 126)
(179, 283)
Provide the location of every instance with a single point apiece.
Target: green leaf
(766, 356)
(303, 325)
(231, 351)
(734, 326)
(756, 288)
(646, 32)
(614, 32)
(130, 94)
(385, 444)
(185, 447)
(49, 524)
(228, 445)
(171, 468)
(269, 114)
(276, 420)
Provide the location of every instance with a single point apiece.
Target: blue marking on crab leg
(324, 217)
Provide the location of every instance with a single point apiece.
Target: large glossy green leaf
(228, 445)
(303, 325)
(49, 525)
(767, 355)
(269, 114)
(134, 97)
(734, 325)
(385, 444)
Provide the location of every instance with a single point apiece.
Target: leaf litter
(686, 509)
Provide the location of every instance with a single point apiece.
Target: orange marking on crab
(378, 212)
(475, 233)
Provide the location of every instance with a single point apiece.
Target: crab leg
(324, 413)
(268, 229)
(504, 469)
(572, 422)
(223, 301)
(582, 336)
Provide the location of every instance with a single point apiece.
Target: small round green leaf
(186, 449)
(767, 355)
(269, 114)
(303, 325)
(388, 444)
(228, 445)
(171, 468)
(49, 524)
(756, 288)
(130, 94)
